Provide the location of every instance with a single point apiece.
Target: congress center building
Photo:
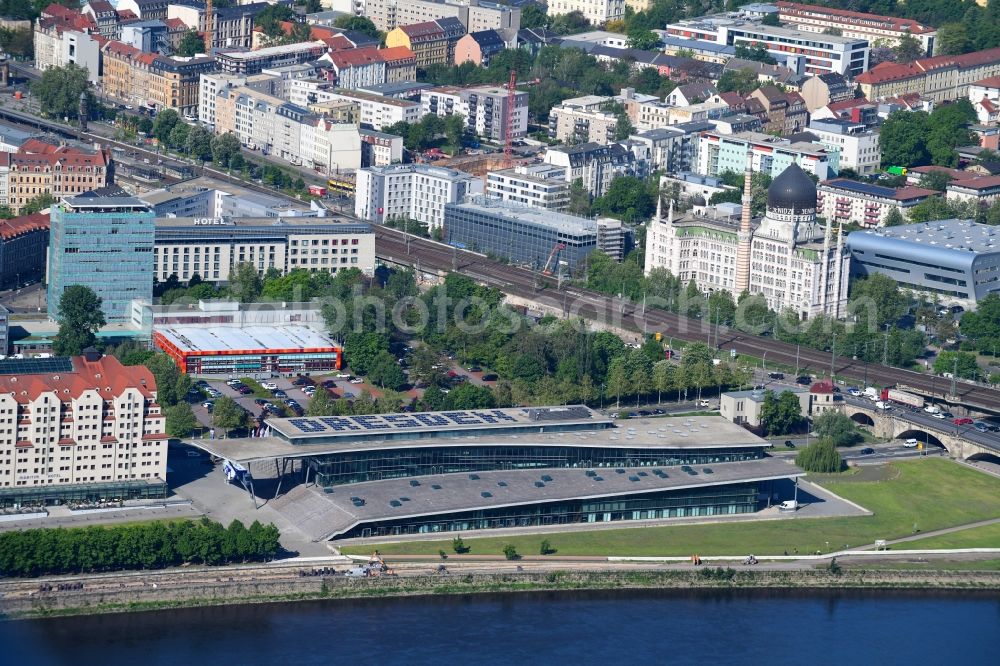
(431, 472)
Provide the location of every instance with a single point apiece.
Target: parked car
(490, 377)
(776, 375)
(805, 380)
(278, 393)
(245, 390)
(342, 375)
(329, 383)
(270, 386)
(357, 380)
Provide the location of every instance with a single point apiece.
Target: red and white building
(850, 202)
(985, 97)
(79, 429)
(879, 30)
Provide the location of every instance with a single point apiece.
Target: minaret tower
(745, 233)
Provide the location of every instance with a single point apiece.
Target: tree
(908, 49)
(198, 143)
(738, 80)
(224, 148)
(245, 282)
(385, 372)
(757, 52)
(171, 384)
(820, 457)
(934, 180)
(469, 396)
(361, 24)
(579, 198)
(164, 124)
(771, 19)
(510, 552)
(191, 44)
(569, 23)
(80, 317)
(836, 427)
(180, 421)
(903, 139)
(780, 414)
(58, 91)
(18, 43)
(894, 218)
(545, 548)
(533, 16)
(962, 364)
(228, 415)
(38, 204)
(618, 380)
(271, 18)
(321, 404)
(877, 300)
(454, 130)
(179, 135)
(627, 198)
(952, 39)
(643, 39)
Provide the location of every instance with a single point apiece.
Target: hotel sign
(210, 221)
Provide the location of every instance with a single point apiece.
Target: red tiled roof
(955, 174)
(37, 146)
(825, 386)
(21, 225)
(889, 71)
(106, 375)
(355, 57)
(901, 24)
(845, 104)
(67, 441)
(423, 31)
(127, 15)
(396, 53)
(24, 444)
(109, 438)
(175, 24)
(990, 82)
(979, 182)
(988, 105)
(910, 192)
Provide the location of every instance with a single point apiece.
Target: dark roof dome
(698, 200)
(792, 189)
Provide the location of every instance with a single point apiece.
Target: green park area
(987, 536)
(910, 497)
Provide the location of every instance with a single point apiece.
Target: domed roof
(698, 200)
(792, 189)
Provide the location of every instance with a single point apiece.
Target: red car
(962, 421)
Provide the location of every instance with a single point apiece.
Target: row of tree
(152, 545)
(917, 138)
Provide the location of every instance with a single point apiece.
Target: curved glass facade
(355, 467)
(710, 501)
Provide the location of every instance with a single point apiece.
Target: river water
(704, 627)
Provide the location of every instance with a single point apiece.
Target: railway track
(392, 246)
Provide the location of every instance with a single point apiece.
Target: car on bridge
(962, 420)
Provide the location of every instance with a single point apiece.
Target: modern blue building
(959, 260)
(520, 234)
(102, 240)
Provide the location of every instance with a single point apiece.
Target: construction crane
(552, 255)
(509, 120)
(209, 26)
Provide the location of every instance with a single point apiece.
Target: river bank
(127, 596)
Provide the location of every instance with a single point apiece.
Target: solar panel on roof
(866, 188)
(35, 366)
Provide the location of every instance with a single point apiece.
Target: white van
(789, 505)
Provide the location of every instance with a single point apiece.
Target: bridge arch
(986, 457)
(861, 418)
(921, 436)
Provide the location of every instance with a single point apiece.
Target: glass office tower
(105, 243)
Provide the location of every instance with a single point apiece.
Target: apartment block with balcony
(863, 204)
(718, 153)
(411, 191)
(536, 185)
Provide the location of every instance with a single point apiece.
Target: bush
(510, 552)
(819, 457)
(459, 546)
(546, 548)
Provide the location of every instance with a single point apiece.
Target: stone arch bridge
(943, 433)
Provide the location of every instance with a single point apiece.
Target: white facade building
(786, 257)
(483, 107)
(536, 185)
(858, 146)
(849, 202)
(598, 12)
(415, 191)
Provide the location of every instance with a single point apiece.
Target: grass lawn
(926, 494)
(987, 536)
(933, 565)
